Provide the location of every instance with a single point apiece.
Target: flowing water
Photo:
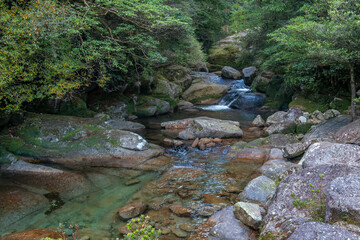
(189, 177)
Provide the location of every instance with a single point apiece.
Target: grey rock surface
(258, 190)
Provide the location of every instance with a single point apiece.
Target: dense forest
(54, 49)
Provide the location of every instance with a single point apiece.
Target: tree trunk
(353, 91)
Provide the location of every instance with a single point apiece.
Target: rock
(227, 227)
(282, 209)
(350, 227)
(181, 211)
(258, 122)
(125, 125)
(230, 73)
(282, 127)
(249, 214)
(349, 133)
(251, 155)
(296, 149)
(124, 230)
(262, 81)
(68, 184)
(291, 115)
(179, 75)
(166, 87)
(248, 101)
(249, 73)
(302, 120)
(210, 127)
(276, 153)
(182, 104)
(17, 203)
(153, 106)
(233, 189)
(280, 140)
(132, 210)
(326, 131)
(321, 231)
(274, 168)
(132, 182)
(258, 190)
(331, 113)
(213, 199)
(179, 233)
(187, 227)
(276, 118)
(195, 143)
(206, 211)
(74, 141)
(331, 153)
(202, 92)
(34, 234)
(343, 199)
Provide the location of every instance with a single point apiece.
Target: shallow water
(190, 175)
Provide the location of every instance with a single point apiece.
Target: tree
(328, 33)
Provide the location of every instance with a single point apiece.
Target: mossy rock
(340, 104)
(75, 107)
(303, 128)
(307, 105)
(221, 56)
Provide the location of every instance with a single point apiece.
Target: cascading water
(239, 96)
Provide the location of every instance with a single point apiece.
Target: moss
(341, 104)
(268, 236)
(303, 128)
(307, 105)
(206, 97)
(223, 56)
(70, 135)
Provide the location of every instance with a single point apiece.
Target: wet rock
(326, 130)
(182, 104)
(155, 164)
(262, 81)
(203, 92)
(258, 190)
(274, 168)
(181, 211)
(280, 140)
(349, 133)
(187, 227)
(233, 189)
(132, 182)
(206, 211)
(69, 184)
(331, 153)
(321, 231)
(248, 213)
(253, 155)
(57, 140)
(258, 122)
(213, 199)
(33, 234)
(227, 227)
(166, 87)
(295, 149)
(16, 203)
(343, 199)
(132, 210)
(249, 74)
(184, 123)
(210, 127)
(179, 233)
(281, 208)
(230, 73)
(125, 125)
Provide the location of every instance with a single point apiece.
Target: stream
(198, 180)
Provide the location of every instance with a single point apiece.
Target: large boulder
(152, 107)
(262, 81)
(349, 133)
(248, 101)
(203, 92)
(258, 190)
(208, 127)
(178, 74)
(230, 73)
(77, 141)
(326, 130)
(343, 199)
(282, 127)
(295, 149)
(290, 116)
(322, 231)
(331, 153)
(273, 169)
(298, 186)
(165, 87)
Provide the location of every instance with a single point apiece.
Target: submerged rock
(181, 211)
(251, 155)
(34, 234)
(132, 210)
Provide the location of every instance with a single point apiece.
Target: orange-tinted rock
(213, 199)
(233, 189)
(124, 230)
(132, 210)
(195, 143)
(253, 155)
(181, 211)
(155, 164)
(33, 234)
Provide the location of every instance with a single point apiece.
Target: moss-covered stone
(340, 104)
(303, 128)
(221, 56)
(307, 105)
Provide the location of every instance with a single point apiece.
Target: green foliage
(50, 48)
(316, 205)
(141, 229)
